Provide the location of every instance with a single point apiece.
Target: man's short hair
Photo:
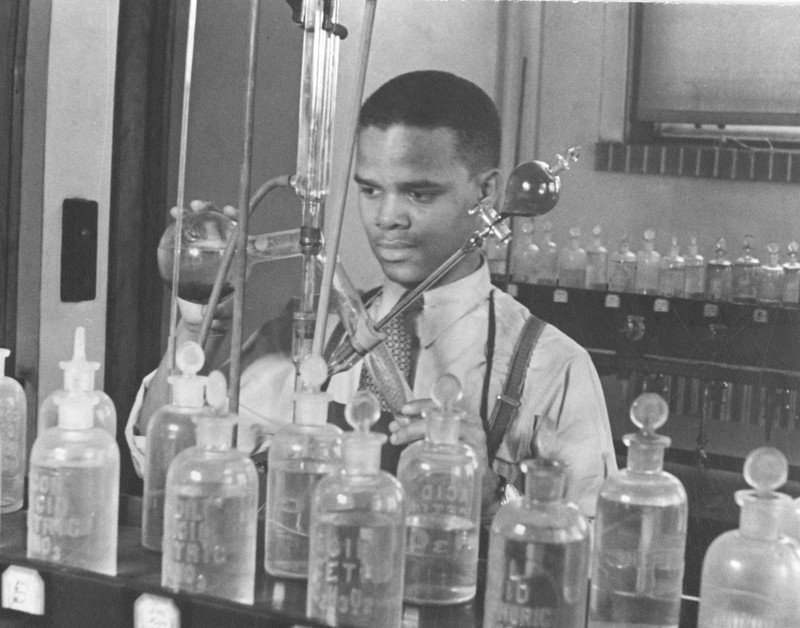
(431, 99)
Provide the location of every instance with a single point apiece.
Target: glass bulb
(532, 190)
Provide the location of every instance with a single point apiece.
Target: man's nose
(392, 212)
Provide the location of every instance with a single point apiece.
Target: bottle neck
(646, 452)
(759, 516)
(545, 480)
(362, 453)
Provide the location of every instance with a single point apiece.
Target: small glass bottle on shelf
(745, 274)
(751, 575)
(791, 278)
(79, 377)
(572, 262)
(442, 481)
(301, 454)
(719, 274)
(210, 509)
(622, 268)
(648, 262)
(13, 422)
(770, 277)
(357, 545)
(170, 431)
(672, 271)
(524, 253)
(640, 532)
(73, 491)
(597, 262)
(548, 256)
(496, 255)
(695, 285)
(538, 550)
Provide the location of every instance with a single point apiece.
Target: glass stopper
(597, 231)
(773, 248)
(649, 412)
(793, 246)
(546, 444)
(527, 227)
(447, 391)
(189, 358)
(363, 411)
(748, 242)
(766, 469)
(575, 232)
(721, 247)
(217, 390)
(649, 234)
(313, 372)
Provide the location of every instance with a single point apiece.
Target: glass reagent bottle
(13, 445)
(597, 262)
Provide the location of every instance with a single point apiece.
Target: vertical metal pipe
(336, 217)
(244, 198)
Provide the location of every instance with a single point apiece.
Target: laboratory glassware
(572, 262)
(751, 575)
(622, 268)
(719, 274)
(791, 278)
(73, 490)
(695, 285)
(13, 423)
(170, 431)
(210, 509)
(640, 532)
(745, 274)
(770, 277)
(301, 454)
(648, 262)
(672, 271)
(524, 253)
(548, 256)
(597, 262)
(356, 556)
(441, 478)
(79, 377)
(538, 550)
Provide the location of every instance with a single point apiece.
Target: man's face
(414, 195)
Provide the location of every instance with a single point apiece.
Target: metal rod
(227, 257)
(176, 253)
(336, 217)
(244, 196)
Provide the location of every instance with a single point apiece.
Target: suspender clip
(509, 400)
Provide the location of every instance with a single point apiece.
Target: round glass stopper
(649, 412)
(363, 411)
(766, 469)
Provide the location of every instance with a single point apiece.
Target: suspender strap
(507, 405)
(490, 340)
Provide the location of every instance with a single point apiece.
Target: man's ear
(489, 182)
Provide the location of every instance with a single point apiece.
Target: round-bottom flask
(73, 491)
(210, 513)
(356, 555)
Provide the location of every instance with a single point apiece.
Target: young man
(428, 152)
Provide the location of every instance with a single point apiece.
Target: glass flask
(597, 262)
(719, 275)
(548, 256)
(672, 271)
(356, 555)
(73, 491)
(791, 278)
(442, 481)
(695, 285)
(170, 431)
(210, 509)
(524, 253)
(572, 262)
(79, 377)
(13, 423)
(648, 262)
(745, 274)
(538, 551)
(751, 575)
(770, 277)
(301, 454)
(640, 532)
(622, 268)
(204, 236)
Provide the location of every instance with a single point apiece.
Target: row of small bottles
(366, 540)
(745, 279)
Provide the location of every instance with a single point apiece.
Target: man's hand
(412, 425)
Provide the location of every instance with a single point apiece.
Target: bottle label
(23, 590)
(154, 611)
(52, 522)
(441, 499)
(535, 586)
(10, 434)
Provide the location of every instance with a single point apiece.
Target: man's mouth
(394, 250)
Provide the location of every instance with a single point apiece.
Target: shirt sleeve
(136, 442)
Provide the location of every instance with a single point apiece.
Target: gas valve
(634, 328)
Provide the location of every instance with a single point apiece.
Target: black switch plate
(78, 250)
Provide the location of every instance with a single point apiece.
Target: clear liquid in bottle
(622, 268)
(524, 253)
(572, 262)
(791, 278)
(13, 423)
(745, 274)
(548, 256)
(597, 262)
(648, 262)
(695, 284)
(719, 275)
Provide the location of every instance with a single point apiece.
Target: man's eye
(422, 197)
(368, 191)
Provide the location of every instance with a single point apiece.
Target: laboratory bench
(75, 597)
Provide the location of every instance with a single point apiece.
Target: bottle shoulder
(555, 522)
(198, 465)
(57, 445)
(660, 488)
(170, 417)
(341, 490)
(440, 455)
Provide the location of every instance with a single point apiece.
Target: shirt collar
(443, 305)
